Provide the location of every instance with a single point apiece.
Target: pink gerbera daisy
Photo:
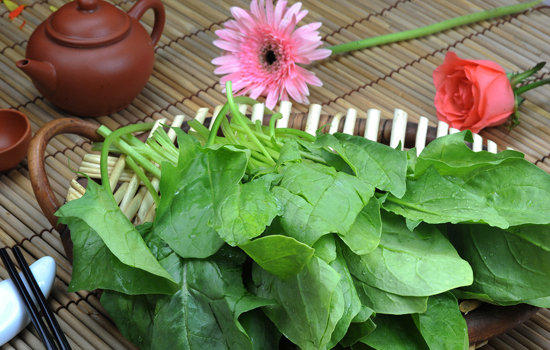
(262, 49)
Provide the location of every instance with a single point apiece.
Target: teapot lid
(88, 23)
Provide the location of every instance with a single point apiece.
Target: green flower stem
(239, 118)
(434, 28)
(528, 87)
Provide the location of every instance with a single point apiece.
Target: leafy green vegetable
(377, 164)
(190, 193)
(417, 263)
(389, 303)
(507, 267)
(395, 333)
(435, 199)
(280, 255)
(450, 156)
(242, 212)
(310, 304)
(364, 235)
(110, 259)
(442, 325)
(319, 201)
(265, 237)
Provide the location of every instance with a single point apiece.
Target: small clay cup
(15, 137)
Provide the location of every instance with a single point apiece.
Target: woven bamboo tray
(183, 82)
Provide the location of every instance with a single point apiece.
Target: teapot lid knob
(87, 5)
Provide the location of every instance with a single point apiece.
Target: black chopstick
(46, 311)
(29, 304)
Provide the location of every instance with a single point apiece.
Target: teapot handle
(141, 7)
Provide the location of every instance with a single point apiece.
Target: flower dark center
(270, 57)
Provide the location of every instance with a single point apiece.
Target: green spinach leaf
(280, 255)
(190, 192)
(442, 325)
(377, 164)
(109, 253)
(318, 200)
(310, 304)
(395, 333)
(410, 263)
(507, 267)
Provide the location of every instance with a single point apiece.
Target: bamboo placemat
(385, 78)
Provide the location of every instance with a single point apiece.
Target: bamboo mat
(385, 78)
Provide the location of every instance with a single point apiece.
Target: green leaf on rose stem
(388, 303)
(450, 156)
(189, 194)
(310, 304)
(109, 253)
(507, 268)
(520, 77)
(280, 255)
(442, 325)
(395, 333)
(318, 200)
(364, 235)
(377, 164)
(410, 263)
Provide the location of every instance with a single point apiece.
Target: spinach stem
(239, 118)
(296, 132)
(199, 129)
(214, 129)
(272, 121)
(141, 175)
(113, 137)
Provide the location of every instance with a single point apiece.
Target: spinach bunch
(270, 238)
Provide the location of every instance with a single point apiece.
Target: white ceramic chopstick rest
(13, 316)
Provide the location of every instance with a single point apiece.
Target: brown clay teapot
(90, 58)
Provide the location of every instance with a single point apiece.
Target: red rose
(472, 94)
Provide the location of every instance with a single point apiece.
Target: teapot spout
(41, 73)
